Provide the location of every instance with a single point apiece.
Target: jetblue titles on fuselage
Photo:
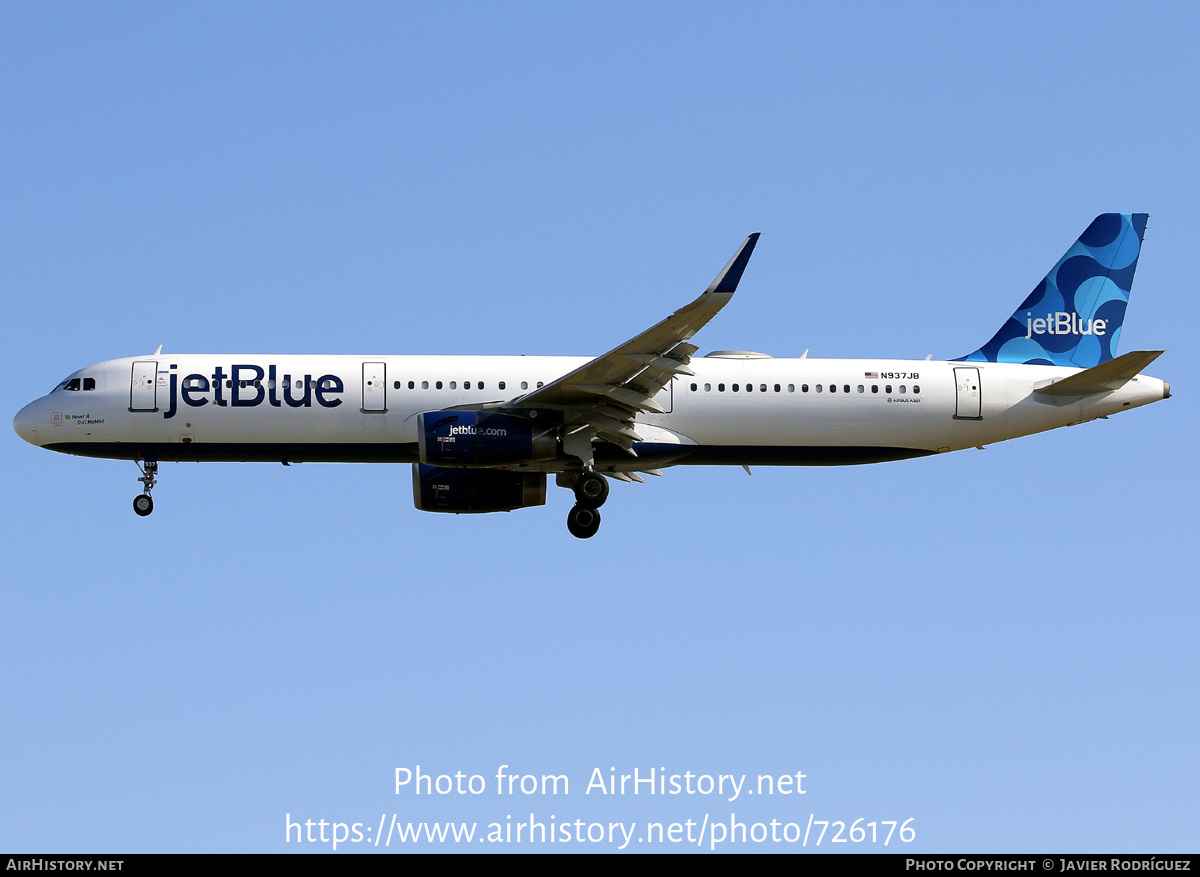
(246, 389)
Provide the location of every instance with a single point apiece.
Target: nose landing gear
(143, 503)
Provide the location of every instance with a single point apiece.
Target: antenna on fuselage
(157, 352)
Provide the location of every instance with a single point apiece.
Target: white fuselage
(364, 408)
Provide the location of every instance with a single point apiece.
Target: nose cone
(25, 423)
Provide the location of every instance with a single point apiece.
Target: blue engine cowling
(481, 438)
(437, 489)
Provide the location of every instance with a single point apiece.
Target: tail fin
(1074, 316)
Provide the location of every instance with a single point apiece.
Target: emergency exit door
(374, 387)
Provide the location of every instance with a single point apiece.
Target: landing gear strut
(143, 503)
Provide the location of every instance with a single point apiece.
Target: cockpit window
(76, 384)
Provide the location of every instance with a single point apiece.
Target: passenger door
(142, 382)
(967, 404)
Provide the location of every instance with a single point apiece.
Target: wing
(599, 400)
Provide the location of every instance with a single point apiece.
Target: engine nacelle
(481, 438)
(436, 489)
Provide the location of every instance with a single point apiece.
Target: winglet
(731, 274)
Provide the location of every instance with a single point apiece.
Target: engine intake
(481, 438)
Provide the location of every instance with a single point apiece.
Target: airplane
(483, 433)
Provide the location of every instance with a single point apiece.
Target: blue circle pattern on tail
(1074, 316)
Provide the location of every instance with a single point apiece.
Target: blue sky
(999, 644)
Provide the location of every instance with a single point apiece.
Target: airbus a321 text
(483, 432)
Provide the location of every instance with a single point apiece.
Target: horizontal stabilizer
(1103, 378)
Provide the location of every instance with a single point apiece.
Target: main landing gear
(591, 490)
(143, 503)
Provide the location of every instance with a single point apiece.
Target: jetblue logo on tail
(1061, 323)
(1074, 316)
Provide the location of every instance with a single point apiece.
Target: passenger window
(424, 385)
(916, 389)
(708, 388)
(395, 385)
(438, 385)
(791, 388)
(502, 385)
(539, 384)
(902, 389)
(479, 385)
(888, 389)
(735, 388)
(777, 388)
(454, 385)
(818, 388)
(804, 388)
(720, 388)
(874, 388)
(524, 385)
(861, 388)
(693, 388)
(845, 388)
(832, 388)
(762, 388)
